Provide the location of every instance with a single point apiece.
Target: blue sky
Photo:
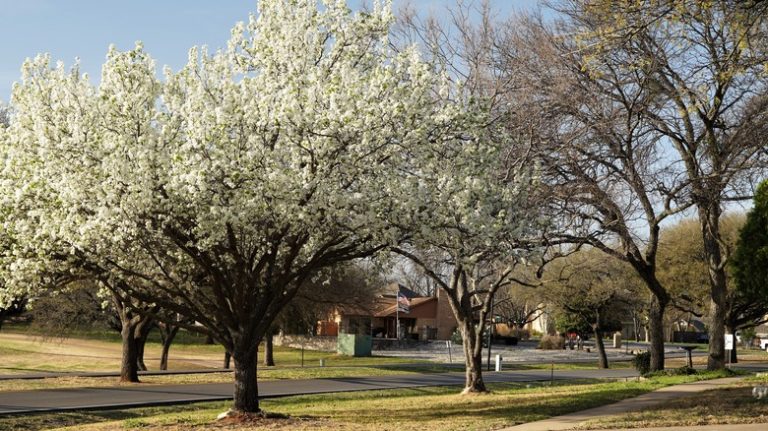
(85, 28)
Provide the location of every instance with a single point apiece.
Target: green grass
(107, 335)
(434, 408)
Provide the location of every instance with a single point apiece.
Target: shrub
(552, 342)
(456, 337)
(642, 362)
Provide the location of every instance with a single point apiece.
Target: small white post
(498, 362)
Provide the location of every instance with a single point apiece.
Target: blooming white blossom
(218, 190)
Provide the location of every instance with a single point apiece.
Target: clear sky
(85, 28)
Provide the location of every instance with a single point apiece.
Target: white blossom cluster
(306, 141)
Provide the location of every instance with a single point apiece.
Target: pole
(397, 319)
(552, 374)
(490, 334)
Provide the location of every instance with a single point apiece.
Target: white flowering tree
(64, 180)
(218, 192)
(471, 219)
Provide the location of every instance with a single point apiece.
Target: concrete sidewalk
(644, 401)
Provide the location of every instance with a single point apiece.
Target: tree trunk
(269, 357)
(656, 333)
(602, 358)
(141, 334)
(140, 365)
(733, 356)
(246, 395)
(168, 333)
(636, 326)
(129, 365)
(473, 361)
(709, 218)
(227, 360)
(717, 311)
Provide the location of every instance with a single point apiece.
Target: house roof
(385, 304)
(415, 302)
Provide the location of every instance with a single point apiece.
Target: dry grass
(423, 409)
(730, 405)
(22, 353)
(429, 409)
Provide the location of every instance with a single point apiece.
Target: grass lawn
(22, 352)
(438, 408)
(729, 405)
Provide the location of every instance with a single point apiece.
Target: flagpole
(397, 316)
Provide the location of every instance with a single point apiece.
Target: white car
(764, 344)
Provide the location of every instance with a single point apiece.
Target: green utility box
(354, 345)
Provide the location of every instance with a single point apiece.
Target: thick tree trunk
(709, 216)
(246, 395)
(140, 365)
(227, 360)
(473, 361)
(602, 358)
(269, 357)
(167, 334)
(129, 365)
(656, 333)
(141, 334)
(717, 312)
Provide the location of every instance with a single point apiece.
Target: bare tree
(702, 65)
(605, 171)
(594, 290)
(518, 306)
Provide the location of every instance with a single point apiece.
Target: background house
(428, 317)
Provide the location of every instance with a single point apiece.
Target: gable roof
(415, 303)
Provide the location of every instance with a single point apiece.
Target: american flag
(403, 303)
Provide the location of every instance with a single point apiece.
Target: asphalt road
(52, 400)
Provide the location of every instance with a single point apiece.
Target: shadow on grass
(427, 408)
(442, 408)
(38, 421)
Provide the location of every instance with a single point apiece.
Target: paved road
(509, 365)
(143, 395)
